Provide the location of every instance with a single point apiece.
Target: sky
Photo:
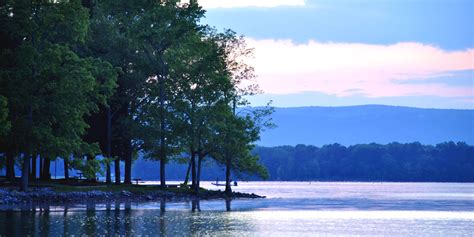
(417, 53)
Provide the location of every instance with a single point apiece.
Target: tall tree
(241, 129)
(49, 87)
(200, 83)
(133, 36)
(107, 39)
(159, 27)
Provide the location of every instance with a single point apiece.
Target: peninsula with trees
(95, 83)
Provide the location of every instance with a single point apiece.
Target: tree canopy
(444, 162)
(116, 78)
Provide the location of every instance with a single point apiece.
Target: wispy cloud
(209, 4)
(285, 67)
(321, 99)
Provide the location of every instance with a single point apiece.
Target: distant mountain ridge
(383, 124)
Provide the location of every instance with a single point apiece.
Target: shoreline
(69, 195)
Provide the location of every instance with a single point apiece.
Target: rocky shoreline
(48, 195)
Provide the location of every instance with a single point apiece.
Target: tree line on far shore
(86, 79)
(409, 162)
(396, 162)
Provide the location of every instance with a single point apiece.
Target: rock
(48, 195)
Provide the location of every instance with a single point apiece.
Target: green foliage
(165, 83)
(199, 84)
(444, 162)
(237, 135)
(90, 168)
(163, 28)
(238, 132)
(49, 87)
(4, 122)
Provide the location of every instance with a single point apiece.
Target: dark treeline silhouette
(444, 162)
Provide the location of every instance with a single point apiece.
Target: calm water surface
(290, 209)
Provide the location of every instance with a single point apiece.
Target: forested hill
(410, 162)
(370, 123)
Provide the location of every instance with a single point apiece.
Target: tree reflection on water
(113, 218)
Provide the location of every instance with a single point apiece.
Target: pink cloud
(284, 67)
(208, 4)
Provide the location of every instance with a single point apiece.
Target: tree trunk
(108, 175)
(33, 168)
(24, 173)
(193, 172)
(228, 162)
(199, 165)
(10, 167)
(228, 189)
(128, 164)
(162, 172)
(186, 179)
(66, 169)
(46, 175)
(117, 170)
(162, 134)
(162, 159)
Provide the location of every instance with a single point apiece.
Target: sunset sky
(339, 52)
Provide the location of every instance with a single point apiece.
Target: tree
(241, 130)
(49, 87)
(4, 129)
(211, 69)
(200, 82)
(4, 122)
(158, 28)
(236, 137)
(108, 40)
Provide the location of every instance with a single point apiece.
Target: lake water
(290, 209)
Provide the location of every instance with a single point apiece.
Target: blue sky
(345, 52)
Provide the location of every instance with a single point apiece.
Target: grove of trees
(409, 162)
(95, 82)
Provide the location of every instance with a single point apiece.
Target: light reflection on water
(432, 191)
(290, 209)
